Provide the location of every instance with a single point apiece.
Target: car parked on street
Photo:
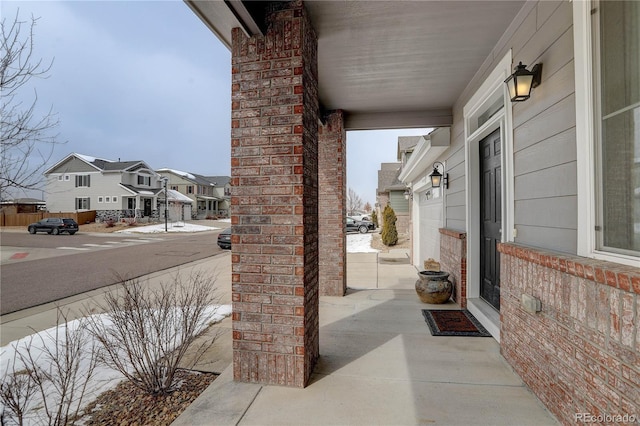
(362, 226)
(54, 225)
(224, 239)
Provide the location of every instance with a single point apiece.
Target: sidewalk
(380, 365)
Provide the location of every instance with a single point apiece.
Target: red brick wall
(274, 201)
(581, 354)
(453, 259)
(332, 176)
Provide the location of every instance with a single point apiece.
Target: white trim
(487, 315)
(584, 128)
(491, 89)
(585, 138)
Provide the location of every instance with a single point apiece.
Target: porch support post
(332, 175)
(274, 200)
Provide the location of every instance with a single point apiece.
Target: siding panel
(558, 212)
(557, 119)
(563, 240)
(556, 181)
(536, 157)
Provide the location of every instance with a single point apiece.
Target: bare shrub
(147, 331)
(55, 365)
(16, 392)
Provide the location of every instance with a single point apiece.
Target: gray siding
(73, 165)
(544, 161)
(398, 202)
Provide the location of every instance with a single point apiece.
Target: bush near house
(389, 231)
(374, 218)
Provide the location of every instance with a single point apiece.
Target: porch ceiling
(387, 64)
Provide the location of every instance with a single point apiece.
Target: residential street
(62, 265)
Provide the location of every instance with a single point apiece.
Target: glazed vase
(434, 287)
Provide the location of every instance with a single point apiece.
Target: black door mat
(453, 323)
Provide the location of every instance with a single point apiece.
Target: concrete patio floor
(378, 364)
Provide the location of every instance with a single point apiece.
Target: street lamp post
(166, 205)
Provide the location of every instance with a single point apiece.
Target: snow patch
(171, 227)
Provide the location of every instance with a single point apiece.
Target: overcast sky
(146, 80)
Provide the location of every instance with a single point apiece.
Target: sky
(146, 80)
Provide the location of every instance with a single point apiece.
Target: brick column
(274, 203)
(453, 259)
(332, 176)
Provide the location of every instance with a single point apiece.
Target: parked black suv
(54, 225)
(362, 226)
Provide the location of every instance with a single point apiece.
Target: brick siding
(581, 353)
(453, 259)
(274, 200)
(332, 151)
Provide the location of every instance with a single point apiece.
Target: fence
(24, 219)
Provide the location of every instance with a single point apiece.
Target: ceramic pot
(434, 287)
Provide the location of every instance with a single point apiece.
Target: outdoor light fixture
(438, 178)
(522, 81)
(407, 194)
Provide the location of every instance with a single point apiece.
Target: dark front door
(490, 218)
(147, 207)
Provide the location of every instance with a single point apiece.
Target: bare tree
(27, 139)
(354, 202)
(367, 207)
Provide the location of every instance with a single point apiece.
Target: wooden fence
(24, 219)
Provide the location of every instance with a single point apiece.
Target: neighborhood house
(210, 194)
(114, 189)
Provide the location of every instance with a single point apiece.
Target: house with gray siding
(210, 194)
(114, 189)
(539, 219)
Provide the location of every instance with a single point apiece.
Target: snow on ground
(171, 227)
(103, 378)
(356, 243)
(360, 243)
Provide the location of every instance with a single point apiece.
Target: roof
(175, 196)
(102, 164)
(142, 191)
(196, 178)
(23, 201)
(388, 177)
(406, 143)
(219, 180)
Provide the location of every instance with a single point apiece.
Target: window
(66, 178)
(190, 189)
(83, 180)
(174, 187)
(616, 68)
(131, 203)
(82, 203)
(227, 191)
(100, 199)
(60, 177)
(114, 199)
(107, 199)
(144, 180)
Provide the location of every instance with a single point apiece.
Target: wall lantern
(522, 81)
(408, 194)
(438, 178)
